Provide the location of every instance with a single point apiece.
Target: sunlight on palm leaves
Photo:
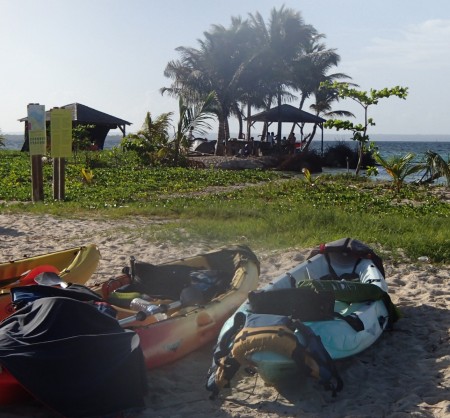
(309, 177)
(398, 167)
(197, 116)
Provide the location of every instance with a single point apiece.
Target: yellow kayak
(74, 265)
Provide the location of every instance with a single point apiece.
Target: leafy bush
(309, 160)
(338, 156)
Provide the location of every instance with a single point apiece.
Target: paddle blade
(49, 278)
(30, 276)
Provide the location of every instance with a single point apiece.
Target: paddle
(49, 278)
(27, 277)
(140, 316)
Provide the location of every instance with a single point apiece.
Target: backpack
(265, 332)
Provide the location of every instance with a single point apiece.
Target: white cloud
(424, 46)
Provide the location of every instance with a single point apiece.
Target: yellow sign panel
(37, 135)
(61, 133)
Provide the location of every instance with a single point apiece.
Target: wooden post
(56, 178)
(59, 168)
(62, 178)
(37, 179)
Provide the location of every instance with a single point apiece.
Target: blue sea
(388, 145)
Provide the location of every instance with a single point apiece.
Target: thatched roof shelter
(285, 113)
(289, 114)
(85, 115)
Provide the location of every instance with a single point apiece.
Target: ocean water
(391, 148)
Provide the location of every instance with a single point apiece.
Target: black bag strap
(352, 320)
(330, 267)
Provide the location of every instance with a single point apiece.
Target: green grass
(277, 213)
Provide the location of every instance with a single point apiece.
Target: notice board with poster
(37, 134)
(61, 133)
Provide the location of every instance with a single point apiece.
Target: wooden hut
(84, 115)
(286, 113)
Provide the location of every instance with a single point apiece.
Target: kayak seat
(168, 283)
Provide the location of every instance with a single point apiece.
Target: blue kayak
(331, 306)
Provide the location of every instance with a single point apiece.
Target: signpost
(61, 147)
(37, 137)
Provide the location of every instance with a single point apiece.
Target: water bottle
(138, 304)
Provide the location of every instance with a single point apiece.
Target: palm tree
(216, 66)
(310, 70)
(153, 141)
(279, 42)
(150, 142)
(195, 117)
(324, 98)
(435, 167)
(252, 64)
(398, 167)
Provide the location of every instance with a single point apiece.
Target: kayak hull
(75, 265)
(11, 391)
(188, 328)
(339, 338)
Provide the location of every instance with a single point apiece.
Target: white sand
(406, 373)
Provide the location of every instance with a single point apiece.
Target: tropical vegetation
(254, 64)
(435, 167)
(154, 143)
(264, 209)
(248, 66)
(398, 167)
(363, 99)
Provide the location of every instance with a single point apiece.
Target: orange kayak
(180, 326)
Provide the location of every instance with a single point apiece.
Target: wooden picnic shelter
(286, 113)
(84, 115)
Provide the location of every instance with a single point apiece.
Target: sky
(111, 54)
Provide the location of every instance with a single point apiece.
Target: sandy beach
(405, 374)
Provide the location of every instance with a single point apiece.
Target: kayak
(333, 305)
(73, 265)
(185, 301)
(11, 391)
(173, 308)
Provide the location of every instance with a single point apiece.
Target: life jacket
(274, 333)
